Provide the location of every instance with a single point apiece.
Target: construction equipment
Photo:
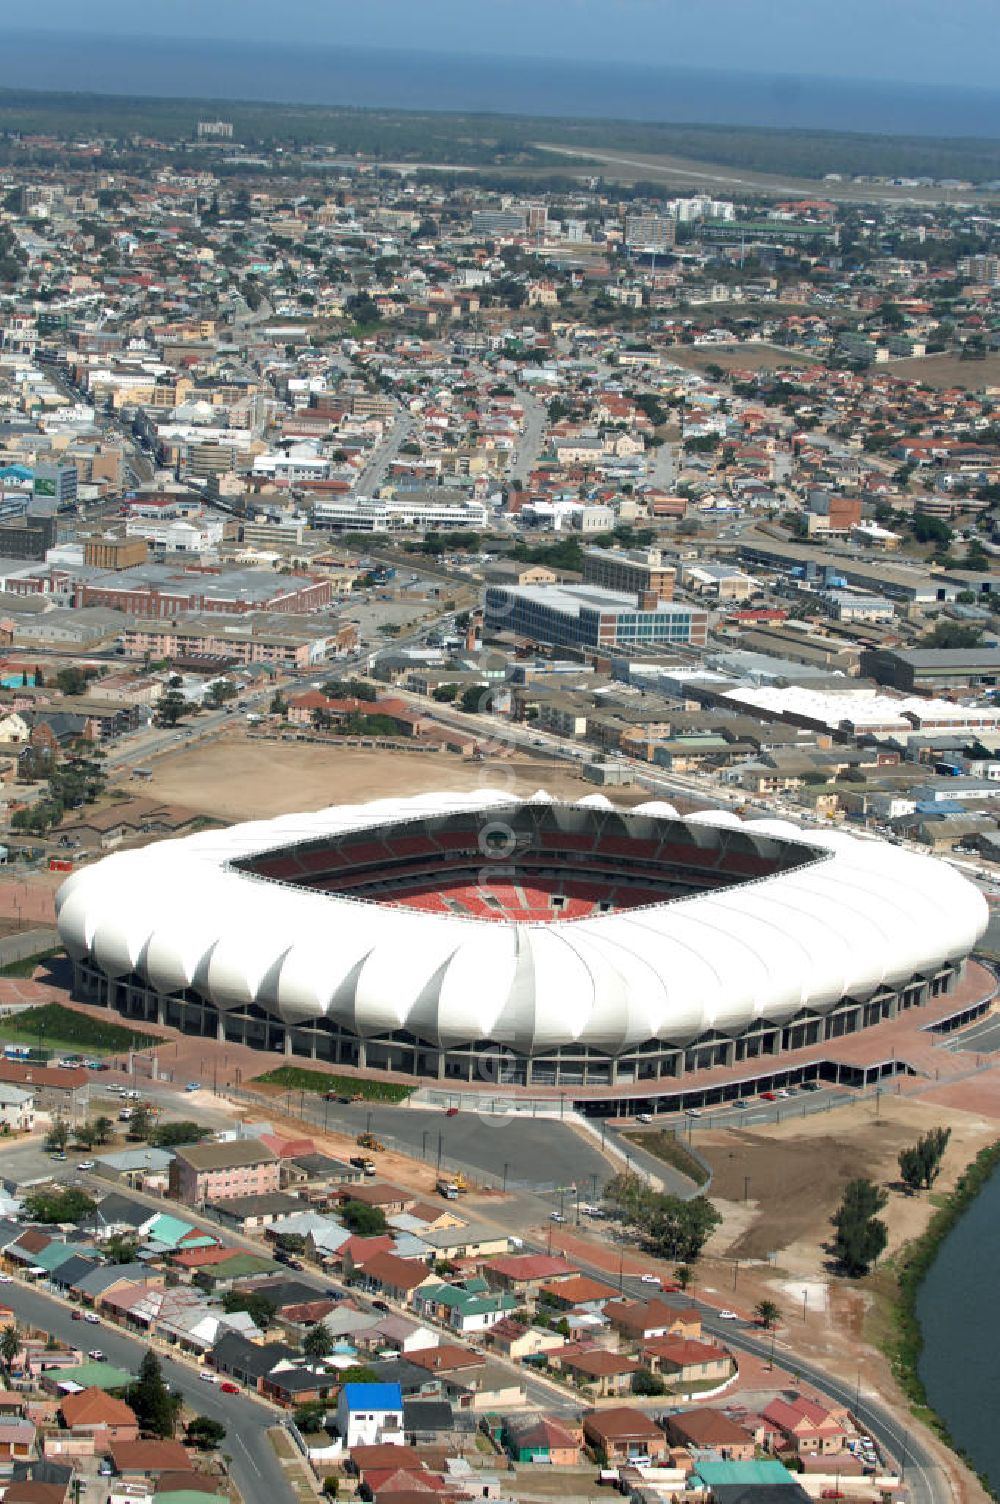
(369, 1141)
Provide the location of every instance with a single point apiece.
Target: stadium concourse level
(533, 864)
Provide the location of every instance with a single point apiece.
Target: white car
(693, 1112)
(728, 1316)
(93, 1318)
(644, 1117)
(6, 1279)
(85, 1164)
(208, 1377)
(651, 1279)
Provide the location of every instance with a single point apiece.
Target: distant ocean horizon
(372, 79)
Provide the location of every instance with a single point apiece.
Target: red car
(229, 1388)
(768, 1096)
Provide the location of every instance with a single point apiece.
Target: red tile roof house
(683, 1361)
(134, 1459)
(94, 1413)
(524, 1274)
(642, 1320)
(579, 1292)
(610, 1374)
(620, 1434)
(711, 1430)
(393, 1277)
(807, 1426)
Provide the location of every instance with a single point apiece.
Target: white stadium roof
(863, 914)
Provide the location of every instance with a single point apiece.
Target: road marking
(241, 1443)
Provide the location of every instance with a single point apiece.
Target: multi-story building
(650, 232)
(114, 553)
(221, 1172)
(258, 638)
(584, 616)
(629, 569)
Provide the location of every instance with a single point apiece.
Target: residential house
(370, 1414)
(395, 1278)
(17, 1439)
(807, 1426)
(468, 1307)
(641, 1320)
(624, 1435)
(682, 1361)
(99, 1416)
(140, 1459)
(524, 1274)
(517, 1341)
(17, 1108)
(705, 1429)
(539, 1438)
(610, 1374)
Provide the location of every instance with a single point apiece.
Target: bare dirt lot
(239, 778)
(943, 371)
(743, 357)
(793, 1175)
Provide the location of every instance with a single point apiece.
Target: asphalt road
(254, 1466)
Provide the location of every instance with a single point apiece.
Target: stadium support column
(220, 1027)
(362, 1054)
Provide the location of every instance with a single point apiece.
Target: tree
(170, 707)
(85, 1135)
(684, 1275)
(10, 1346)
(121, 1249)
(71, 681)
(861, 1234)
(646, 1382)
(59, 1205)
(920, 1165)
(317, 1342)
(170, 1135)
(57, 1137)
(205, 1433)
(767, 1313)
(279, 705)
(475, 700)
(219, 691)
(104, 1130)
(366, 1221)
(141, 1122)
(257, 1306)
(155, 1408)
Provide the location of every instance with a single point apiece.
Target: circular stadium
(482, 938)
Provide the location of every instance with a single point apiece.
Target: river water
(959, 1316)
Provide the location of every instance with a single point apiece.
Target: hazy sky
(901, 40)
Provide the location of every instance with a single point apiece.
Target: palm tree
(767, 1313)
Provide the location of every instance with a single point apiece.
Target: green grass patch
(902, 1339)
(297, 1078)
(668, 1148)
(60, 1029)
(27, 965)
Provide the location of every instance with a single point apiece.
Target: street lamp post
(506, 1167)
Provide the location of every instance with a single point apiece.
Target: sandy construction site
(238, 777)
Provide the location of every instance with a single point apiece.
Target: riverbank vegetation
(903, 1340)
